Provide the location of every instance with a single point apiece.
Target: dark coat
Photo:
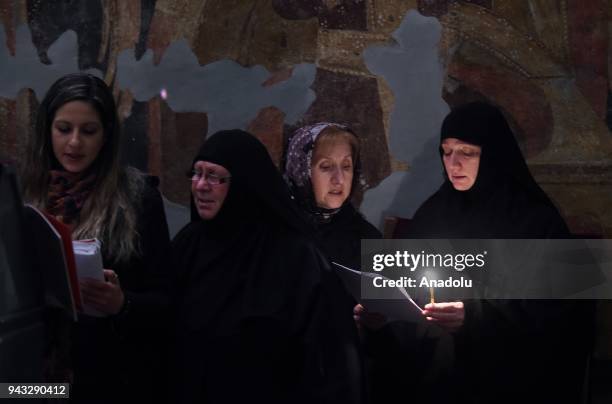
(340, 238)
(260, 314)
(508, 351)
(119, 358)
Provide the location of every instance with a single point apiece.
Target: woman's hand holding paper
(364, 318)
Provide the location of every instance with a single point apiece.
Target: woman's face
(77, 136)
(461, 161)
(332, 173)
(209, 187)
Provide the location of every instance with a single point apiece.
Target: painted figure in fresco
(72, 171)
(261, 316)
(506, 350)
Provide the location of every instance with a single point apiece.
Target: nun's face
(209, 186)
(461, 161)
(332, 173)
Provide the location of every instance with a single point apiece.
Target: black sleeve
(417, 356)
(333, 356)
(325, 337)
(148, 276)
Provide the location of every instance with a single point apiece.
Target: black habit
(508, 351)
(340, 238)
(261, 315)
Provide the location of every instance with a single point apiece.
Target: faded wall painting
(392, 69)
(183, 69)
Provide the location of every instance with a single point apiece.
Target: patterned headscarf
(298, 171)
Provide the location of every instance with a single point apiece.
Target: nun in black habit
(504, 201)
(513, 351)
(261, 316)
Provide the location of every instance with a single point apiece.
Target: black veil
(257, 304)
(529, 344)
(504, 202)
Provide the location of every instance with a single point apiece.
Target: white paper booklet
(397, 304)
(88, 259)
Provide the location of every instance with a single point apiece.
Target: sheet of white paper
(398, 306)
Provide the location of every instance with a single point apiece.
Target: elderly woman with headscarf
(261, 316)
(323, 171)
(507, 350)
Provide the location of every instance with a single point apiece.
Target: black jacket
(118, 358)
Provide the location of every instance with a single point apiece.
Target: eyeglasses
(209, 178)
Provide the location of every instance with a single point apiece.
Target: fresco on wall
(391, 69)
(182, 69)
(229, 94)
(411, 67)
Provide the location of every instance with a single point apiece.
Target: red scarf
(67, 193)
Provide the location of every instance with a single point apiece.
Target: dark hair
(79, 87)
(108, 209)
